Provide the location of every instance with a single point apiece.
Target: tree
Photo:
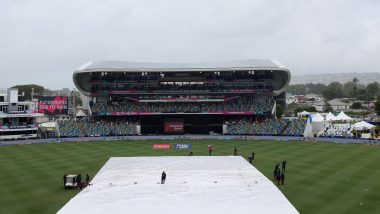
(333, 90)
(349, 89)
(279, 110)
(373, 89)
(315, 88)
(298, 89)
(327, 107)
(356, 105)
(377, 107)
(27, 90)
(355, 80)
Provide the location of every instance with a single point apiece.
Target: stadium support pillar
(225, 130)
(138, 129)
(274, 109)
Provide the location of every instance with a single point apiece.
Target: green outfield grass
(320, 177)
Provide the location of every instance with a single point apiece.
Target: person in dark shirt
(253, 156)
(163, 177)
(64, 180)
(209, 150)
(276, 168)
(250, 160)
(87, 179)
(283, 165)
(278, 177)
(282, 177)
(235, 151)
(79, 181)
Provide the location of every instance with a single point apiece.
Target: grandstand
(277, 127)
(181, 98)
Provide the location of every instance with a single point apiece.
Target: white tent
(80, 114)
(330, 117)
(343, 116)
(363, 125)
(318, 123)
(317, 117)
(304, 113)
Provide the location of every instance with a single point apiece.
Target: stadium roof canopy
(194, 184)
(281, 74)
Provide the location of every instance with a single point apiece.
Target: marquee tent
(318, 123)
(342, 116)
(304, 113)
(80, 114)
(317, 117)
(330, 116)
(363, 125)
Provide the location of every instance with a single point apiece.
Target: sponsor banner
(161, 146)
(183, 146)
(52, 105)
(238, 112)
(147, 113)
(127, 113)
(162, 113)
(173, 127)
(232, 112)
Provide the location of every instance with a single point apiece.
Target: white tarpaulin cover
(317, 118)
(330, 116)
(342, 116)
(363, 125)
(194, 184)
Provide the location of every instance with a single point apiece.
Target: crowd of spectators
(337, 130)
(266, 127)
(97, 127)
(175, 88)
(248, 104)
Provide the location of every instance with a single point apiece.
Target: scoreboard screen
(173, 127)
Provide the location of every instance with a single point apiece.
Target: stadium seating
(337, 130)
(257, 104)
(96, 127)
(267, 127)
(295, 127)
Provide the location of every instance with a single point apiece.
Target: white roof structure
(80, 114)
(330, 117)
(317, 117)
(125, 66)
(304, 113)
(194, 184)
(342, 116)
(363, 125)
(281, 74)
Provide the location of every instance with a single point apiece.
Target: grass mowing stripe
(48, 162)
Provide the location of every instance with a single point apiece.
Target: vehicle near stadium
(131, 98)
(71, 181)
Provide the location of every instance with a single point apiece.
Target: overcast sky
(43, 42)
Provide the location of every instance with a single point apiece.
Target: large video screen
(52, 105)
(173, 127)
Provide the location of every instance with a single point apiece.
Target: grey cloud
(43, 42)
